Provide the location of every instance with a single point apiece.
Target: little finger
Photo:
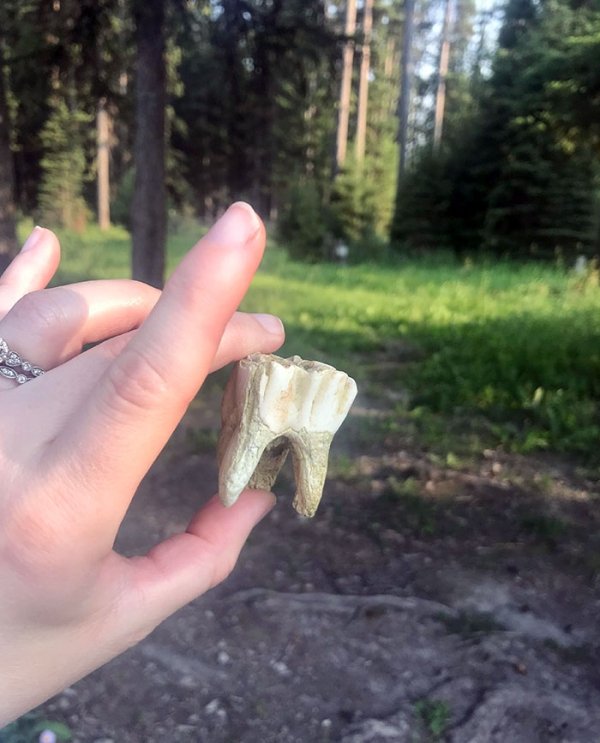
(31, 269)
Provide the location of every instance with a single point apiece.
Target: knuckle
(138, 380)
(222, 562)
(43, 311)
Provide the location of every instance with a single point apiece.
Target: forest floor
(430, 599)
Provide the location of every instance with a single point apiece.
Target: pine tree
(517, 174)
(63, 167)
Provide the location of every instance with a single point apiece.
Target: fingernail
(237, 226)
(33, 239)
(270, 323)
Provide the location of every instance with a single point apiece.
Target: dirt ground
(422, 603)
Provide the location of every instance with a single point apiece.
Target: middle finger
(51, 326)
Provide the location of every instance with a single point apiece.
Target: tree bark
(346, 87)
(103, 179)
(238, 162)
(440, 95)
(8, 232)
(405, 82)
(149, 213)
(363, 89)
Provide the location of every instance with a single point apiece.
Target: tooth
(271, 406)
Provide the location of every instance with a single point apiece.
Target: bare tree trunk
(103, 179)
(405, 81)
(346, 88)
(388, 65)
(363, 90)
(8, 233)
(149, 213)
(440, 95)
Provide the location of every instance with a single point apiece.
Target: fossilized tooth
(271, 406)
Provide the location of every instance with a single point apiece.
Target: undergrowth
(516, 345)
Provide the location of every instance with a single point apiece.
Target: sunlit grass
(516, 343)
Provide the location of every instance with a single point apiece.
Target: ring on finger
(12, 366)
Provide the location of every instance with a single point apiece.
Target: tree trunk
(8, 233)
(405, 82)
(103, 180)
(346, 88)
(239, 166)
(149, 213)
(363, 90)
(263, 148)
(440, 95)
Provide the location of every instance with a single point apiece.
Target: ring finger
(49, 327)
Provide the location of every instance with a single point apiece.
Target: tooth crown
(272, 405)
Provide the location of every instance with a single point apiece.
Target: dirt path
(422, 603)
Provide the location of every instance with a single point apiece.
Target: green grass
(514, 345)
(28, 729)
(518, 344)
(435, 716)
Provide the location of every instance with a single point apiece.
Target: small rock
(223, 658)
(188, 682)
(280, 668)
(212, 707)
(378, 731)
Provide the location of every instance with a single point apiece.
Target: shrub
(61, 200)
(120, 208)
(303, 223)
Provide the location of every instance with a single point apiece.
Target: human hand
(76, 442)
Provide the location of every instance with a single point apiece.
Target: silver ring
(12, 366)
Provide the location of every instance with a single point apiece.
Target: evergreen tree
(63, 167)
(519, 175)
(542, 194)
(259, 78)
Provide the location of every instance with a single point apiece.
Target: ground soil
(422, 603)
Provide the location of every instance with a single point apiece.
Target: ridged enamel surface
(271, 406)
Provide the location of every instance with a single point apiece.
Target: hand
(76, 442)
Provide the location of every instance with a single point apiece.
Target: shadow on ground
(422, 603)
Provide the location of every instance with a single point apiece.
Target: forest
(390, 127)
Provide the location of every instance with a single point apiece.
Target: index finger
(144, 393)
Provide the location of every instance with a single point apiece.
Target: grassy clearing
(515, 345)
(518, 345)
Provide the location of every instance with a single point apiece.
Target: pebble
(280, 668)
(212, 707)
(223, 658)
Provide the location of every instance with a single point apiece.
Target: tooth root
(241, 457)
(310, 455)
(270, 464)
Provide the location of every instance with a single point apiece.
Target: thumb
(187, 565)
